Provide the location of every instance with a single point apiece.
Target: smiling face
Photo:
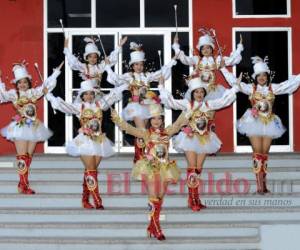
(206, 50)
(262, 79)
(156, 121)
(92, 58)
(23, 84)
(88, 96)
(198, 94)
(138, 67)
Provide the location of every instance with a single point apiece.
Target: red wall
(21, 26)
(295, 23)
(218, 15)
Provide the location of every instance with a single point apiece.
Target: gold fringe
(168, 172)
(203, 139)
(266, 119)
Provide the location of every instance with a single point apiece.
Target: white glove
(176, 47)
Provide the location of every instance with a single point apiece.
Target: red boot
(139, 149)
(23, 165)
(91, 178)
(29, 159)
(265, 169)
(193, 183)
(154, 226)
(259, 172)
(86, 195)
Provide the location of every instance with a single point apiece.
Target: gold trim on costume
(263, 104)
(91, 126)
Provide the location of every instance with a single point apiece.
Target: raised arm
(186, 60)
(113, 57)
(115, 79)
(73, 61)
(232, 81)
(123, 125)
(115, 95)
(287, 87)
(229, 77)
(182, 120)
(6, 95)
(228, 98)
(59, 104)
(168, 100)
(164, 72)
(235, 56)
(49, 83)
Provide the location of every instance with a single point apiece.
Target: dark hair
(29, 85)
(192, 94)
(132, 70)
(28, 80)
(98, 58)
(148, 123)
(268, 78)
(200, 50)
(82, 94)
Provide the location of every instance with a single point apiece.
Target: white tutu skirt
(134, 109)
(251, 126)
(83, 145)
(215, 93)
(182, 142)
(14, 132)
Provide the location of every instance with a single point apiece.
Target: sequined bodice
(90, 121)
(92, 72)
(205, 69)
(26, 107)
(263, 103)
(200, 122)
(138, 87)
(158, 145)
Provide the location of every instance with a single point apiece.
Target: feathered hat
(260, 65)
(155, 110)
(20, 72)
(87, 85)
(90, 47)
(195, 83)
(137, 55)
(205, 39)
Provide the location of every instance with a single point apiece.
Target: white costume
(25, 125)
(88, 71)
(260, 120)
(90, 140)
(138, 105)
(198, 135)
(206, 67)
